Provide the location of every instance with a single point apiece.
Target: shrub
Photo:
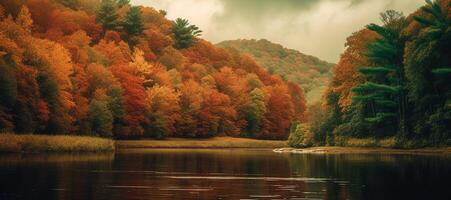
(300, 136)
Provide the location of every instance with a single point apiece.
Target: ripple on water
(135, 171)
(128, 186)
(186, 189)
(263, 196)
(303, 179)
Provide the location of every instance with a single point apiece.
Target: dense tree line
(111, 69)
(393, 80)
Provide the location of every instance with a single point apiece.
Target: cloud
(316, 27)
(198, 12)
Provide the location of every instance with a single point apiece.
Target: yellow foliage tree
(164, 109)
(24, 18)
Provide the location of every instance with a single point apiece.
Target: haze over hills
(308, 71)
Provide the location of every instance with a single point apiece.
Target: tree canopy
(110, 69)
(185, 34)
(391, 81)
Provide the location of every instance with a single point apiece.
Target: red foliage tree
(134, 101)
(280, 113)
(299, 103)
(217, 115)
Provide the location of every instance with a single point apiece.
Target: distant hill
(308, 71)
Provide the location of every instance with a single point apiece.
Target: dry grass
(53, 143)
(366, 142)
(388, 142)
(215, 142)
(359, 142)
(66, 157)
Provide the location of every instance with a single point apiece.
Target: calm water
(223, 174)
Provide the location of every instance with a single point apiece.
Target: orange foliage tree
(346, 75)
(280, 112)
(164, 111)
(62, 72)
(134, 98)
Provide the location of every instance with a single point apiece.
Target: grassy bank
(390, 142)
(51, 143)
(366, 142)
(215, 142)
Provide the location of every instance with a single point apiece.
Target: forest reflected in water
(223, 174)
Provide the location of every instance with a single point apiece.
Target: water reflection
(223, 174)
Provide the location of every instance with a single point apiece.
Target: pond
(223, 174)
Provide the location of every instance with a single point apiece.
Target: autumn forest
(110, 69)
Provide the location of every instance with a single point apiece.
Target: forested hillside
(107, 68)
(393, 80)
(307, 71)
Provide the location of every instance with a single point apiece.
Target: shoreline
(365, 150)
(16, 143)
(208, 143)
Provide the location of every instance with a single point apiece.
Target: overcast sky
(315, 27)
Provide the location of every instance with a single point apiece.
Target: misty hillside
(308, 71)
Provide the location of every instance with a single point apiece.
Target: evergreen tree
(133, 21)
(384, 88)
(185, 34)
(425, 63)
(437, 34)
(428, 71)
(121, 3)
(107, 15)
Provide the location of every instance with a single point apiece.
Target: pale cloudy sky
(315, 27)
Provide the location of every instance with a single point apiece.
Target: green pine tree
(185, 34)
(438, 31)
(107, 15)
(121, 3)
(383, 91)
(428, 72)
(133, 21)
